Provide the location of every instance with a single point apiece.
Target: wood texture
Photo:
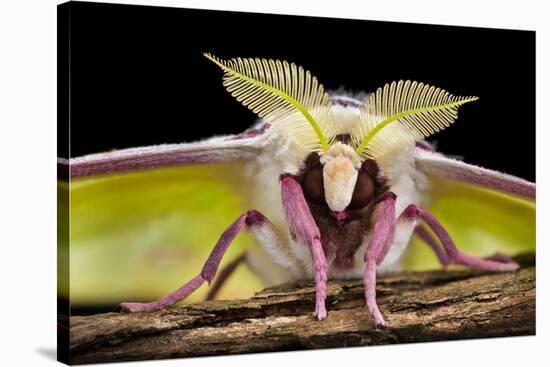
(419, 307)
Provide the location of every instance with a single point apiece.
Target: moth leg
(458, 257)
(500, 257)
(383, 233)
(271, 243)
(304, 229)
(423, 233)
(208, 271)
(224, 274)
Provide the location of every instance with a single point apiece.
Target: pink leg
(383, 232)
(500, 257)
(225, 273)
(458, 257)
(423, 233)
(303, 227)
(209, 269)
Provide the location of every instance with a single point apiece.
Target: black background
(138, 76)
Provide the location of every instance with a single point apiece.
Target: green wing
(137, 235)
(484, 211)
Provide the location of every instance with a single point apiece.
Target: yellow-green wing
(484, 211)
(137, 234)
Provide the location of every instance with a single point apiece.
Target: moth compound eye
(363, 191)
(313, 187)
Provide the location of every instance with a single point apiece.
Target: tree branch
(419, 307)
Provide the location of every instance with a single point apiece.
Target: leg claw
(379, 323)
(501, 258)
(320, 311)
(131, 307)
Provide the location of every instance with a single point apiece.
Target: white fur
(340, 166)
(261, 264)
(277, 247)
(346, 118)
(403, 233)
(280, 155)
(339, 178)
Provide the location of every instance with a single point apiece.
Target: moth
(333, 187)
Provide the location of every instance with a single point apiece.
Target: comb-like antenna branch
(401, 113)
(284, 95)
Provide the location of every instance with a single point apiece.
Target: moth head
(336, 179)
(290, 98)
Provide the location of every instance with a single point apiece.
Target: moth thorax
(340, 169)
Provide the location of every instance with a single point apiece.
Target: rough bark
(419, 307)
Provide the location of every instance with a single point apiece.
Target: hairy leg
(383, 232)
(500, 257)
(208, 271)
(458, 257)
(224, 274)
(385, 224)
(303, 227)
(272, 243)
(423, 233)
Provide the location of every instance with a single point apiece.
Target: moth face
(337, 181)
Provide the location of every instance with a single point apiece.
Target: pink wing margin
(215, 150)
(435, 164)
